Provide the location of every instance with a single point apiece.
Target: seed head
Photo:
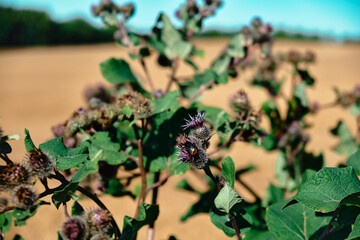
(74, 228)
(39, 163)
(192, 151)
(13, 175)
(98, 220)
(24, 196)
(140, 105)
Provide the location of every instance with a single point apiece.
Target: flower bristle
(13, 175)
(195, 122)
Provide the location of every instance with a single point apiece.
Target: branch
(158, 183)
(200, 91)
(6, 209)
(151, 229)
(328, 228)
(6, 158)
(58, 176)
(142, 172)
(175, 64)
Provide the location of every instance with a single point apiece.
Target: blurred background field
(41, 86)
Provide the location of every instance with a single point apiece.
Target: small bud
(74, 228)
(13, 175)
(140, 105)
(240, 102)
(39, 163)
(98, 220)
(24, 196)
(192, 152)
(294, 57)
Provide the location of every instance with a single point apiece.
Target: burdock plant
(135, 133)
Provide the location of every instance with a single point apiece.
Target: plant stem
(158, 182)
(58, 176)
(151, 229)
(200, 91)
(6, 209)
(175, 65)
(6, 159)
(147, 74)
(328, 228)
(142, 171)
(219, 186)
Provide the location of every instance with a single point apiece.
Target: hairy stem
(175, 64)
(151, 229)
(200, 91)
(142, 171)
(219, 186)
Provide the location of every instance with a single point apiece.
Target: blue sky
(336, 18)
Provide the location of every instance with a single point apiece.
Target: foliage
(135, 131)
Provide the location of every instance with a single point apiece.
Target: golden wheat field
(41, 86)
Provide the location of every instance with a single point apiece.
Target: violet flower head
(192, 151)
(195, 122)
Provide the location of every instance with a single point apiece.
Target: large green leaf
(228, 200)
(295, 222)
(300, 93)
(327, 188)
(147, 215)
(221, 64)
(66, 158)
(228, 170)
(117, 71)
(5, 221)
(176, 167)
(215, 116)
(347, 143)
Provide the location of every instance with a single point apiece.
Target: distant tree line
(28, 27)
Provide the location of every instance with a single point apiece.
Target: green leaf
(221, 64)
(347, 143)
(228, 200)
(102, 148)
(169, 41)
(77, 209)
(354, 161)
(327, 188)
(66, 158)
(355, 109)
(222, 221)
(158, 164)
(5, 221)
(300, 93)
(110, 18)
(273, 195)
(203, 78)
(294, 222)
(64, 195)
(255, 234)
(236, 47)
(168, 102)
(355, 233)
(29, 144)
(116, 189)
(305, 77)
(228, 170)
(147, 215)
(176, 167)
(117, 71)
(18, 237)
(21, 215)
